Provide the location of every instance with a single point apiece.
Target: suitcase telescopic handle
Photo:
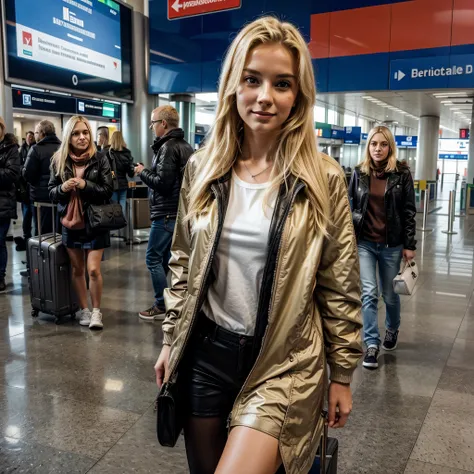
(38, 206)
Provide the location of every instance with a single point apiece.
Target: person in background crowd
(103, 139)
(121, 163)
(25, 198)
(81, 176)
(9, 175)
(171, 153)
(383, 211)
(37, 172)
(265, 277)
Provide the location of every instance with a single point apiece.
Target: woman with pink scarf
(81, 176)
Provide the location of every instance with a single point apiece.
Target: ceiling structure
(454, 107)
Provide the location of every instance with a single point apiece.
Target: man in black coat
(24, 195)
(9, 176)
(171, 153)
(37, 170)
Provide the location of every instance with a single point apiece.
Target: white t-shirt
(240, 258)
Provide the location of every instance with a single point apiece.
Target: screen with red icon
(84, 46)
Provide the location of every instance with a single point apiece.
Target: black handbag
(105, 217)
(169, 416)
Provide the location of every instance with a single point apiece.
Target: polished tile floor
(76, 401)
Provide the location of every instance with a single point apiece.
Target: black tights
(205, 439)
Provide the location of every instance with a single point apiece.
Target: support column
(427, 150)
(136, 116)
(470, 163)
(185, 104)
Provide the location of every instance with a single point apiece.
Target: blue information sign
(337, 132)
(352, 135)
(453, 156)
(408, 141)
(436, 72)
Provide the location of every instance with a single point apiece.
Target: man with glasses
(171, 153)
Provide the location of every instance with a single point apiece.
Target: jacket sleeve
(56, 194)
(103, 189)
(352, 190)
(10, 173)
(337, 289)
(32, 168)
(130, 167)
(178, 264)
(409, 213)
(168, 167)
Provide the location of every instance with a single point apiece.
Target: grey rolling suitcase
(50, 275)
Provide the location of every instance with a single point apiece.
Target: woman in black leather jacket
(383, 212)
(79, 177)
(121, 163)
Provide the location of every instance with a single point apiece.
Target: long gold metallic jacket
(314, 317)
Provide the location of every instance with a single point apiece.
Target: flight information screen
(83, 45)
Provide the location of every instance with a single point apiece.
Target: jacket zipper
(270, 306)
(215, 239)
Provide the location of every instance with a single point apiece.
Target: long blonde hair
(296, 150)
(117, 142)
(60, 157)
(367, 164)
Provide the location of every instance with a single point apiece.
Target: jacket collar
(392, 179)
(50, 139)
(159, 141)
(90, 163)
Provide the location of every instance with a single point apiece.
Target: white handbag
(405, 281)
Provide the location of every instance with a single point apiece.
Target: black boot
(3, 285)
(20, 244)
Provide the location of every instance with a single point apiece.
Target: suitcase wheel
(34, 313)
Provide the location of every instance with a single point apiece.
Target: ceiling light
(368, 97)
(446, 101)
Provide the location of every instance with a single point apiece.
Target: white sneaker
(85, 317)
(96, 320)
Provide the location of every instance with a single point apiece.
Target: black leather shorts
(217, 364)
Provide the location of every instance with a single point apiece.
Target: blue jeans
(4, 226)
(158, 255)
(388, 259)
(121, 197)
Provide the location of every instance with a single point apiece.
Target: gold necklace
(258, 174)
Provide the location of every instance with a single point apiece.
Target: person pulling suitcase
(80, 181)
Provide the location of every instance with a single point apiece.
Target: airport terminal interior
(77, 401)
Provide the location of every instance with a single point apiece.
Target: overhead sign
(27, 99)
(337, 132)
(184, 8)
(453, 156)
(408, 141)
(323, 130)
(98, 109)
(352, 135)
(32, 100)
(436, 72)
(464, 133)
(453, 145)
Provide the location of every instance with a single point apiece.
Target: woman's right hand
(161, 366)
(68, 185)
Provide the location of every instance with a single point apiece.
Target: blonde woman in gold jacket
(265, 275)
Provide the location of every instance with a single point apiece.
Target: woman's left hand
(409, 255)
(80, 183)
(340, 397)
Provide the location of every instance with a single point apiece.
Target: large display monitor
(74, 45)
